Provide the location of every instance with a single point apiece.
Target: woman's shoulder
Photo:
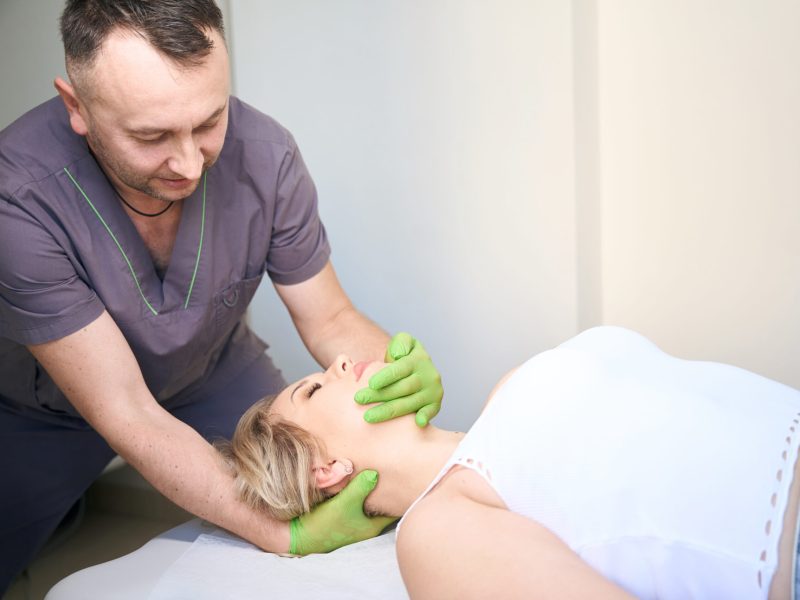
(447, 505)
(498, 385)
(458, 492)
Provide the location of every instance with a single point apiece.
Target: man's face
(156, 126)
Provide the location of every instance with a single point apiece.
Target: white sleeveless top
(669, 477)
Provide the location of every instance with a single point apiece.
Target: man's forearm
(189, 471)
(349, 332)
(114, 400)
(327, 321)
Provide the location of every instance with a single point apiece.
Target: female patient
(598, 469)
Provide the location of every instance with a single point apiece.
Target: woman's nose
(341, 366)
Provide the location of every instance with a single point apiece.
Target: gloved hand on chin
(409, 384)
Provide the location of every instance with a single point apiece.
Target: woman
(598, 469)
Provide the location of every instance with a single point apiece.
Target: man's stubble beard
(130, 178)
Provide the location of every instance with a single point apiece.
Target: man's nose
(187, 160)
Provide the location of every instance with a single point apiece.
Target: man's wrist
(258, 528)
(285, 536)
(277, 537)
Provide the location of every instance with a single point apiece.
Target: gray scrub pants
(46, 468)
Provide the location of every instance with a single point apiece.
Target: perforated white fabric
(668, 476)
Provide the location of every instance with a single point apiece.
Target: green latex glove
(409, 384)
(339, 520)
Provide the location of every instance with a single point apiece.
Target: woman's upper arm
(498, 385)
(453, 547)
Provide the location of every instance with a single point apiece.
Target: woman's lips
(358, 369)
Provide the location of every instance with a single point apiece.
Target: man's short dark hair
(176, 28)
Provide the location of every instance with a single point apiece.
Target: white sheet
(219, 566)
(133, 576)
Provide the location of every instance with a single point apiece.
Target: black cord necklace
(125, 202)
(137, 211)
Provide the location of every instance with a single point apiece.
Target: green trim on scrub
(113, 237)
(200, 245)
(125, 256)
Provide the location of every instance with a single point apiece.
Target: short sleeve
(299, 247)
(42, 297)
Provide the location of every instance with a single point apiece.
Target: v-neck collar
(181, 274)
(180, 279)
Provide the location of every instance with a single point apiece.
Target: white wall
(699, 134)
(31, 54)
(440, 138)
(527, 168)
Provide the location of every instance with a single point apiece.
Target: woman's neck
(406, 465)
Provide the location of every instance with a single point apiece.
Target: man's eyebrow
(299, 385)
(154, 130)
(216, 113)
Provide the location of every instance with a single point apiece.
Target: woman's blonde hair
(272, 462)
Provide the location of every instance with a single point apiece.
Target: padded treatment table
(200, 561)
(133, 576)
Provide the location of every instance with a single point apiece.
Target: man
(138, 214)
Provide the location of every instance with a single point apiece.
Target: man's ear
(333, 475)
(70, 99)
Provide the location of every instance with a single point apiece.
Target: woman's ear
(333, 475)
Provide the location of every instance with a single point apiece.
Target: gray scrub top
(68, 251)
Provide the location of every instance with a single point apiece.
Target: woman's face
(323, 404)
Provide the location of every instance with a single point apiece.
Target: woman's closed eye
(310, 389)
